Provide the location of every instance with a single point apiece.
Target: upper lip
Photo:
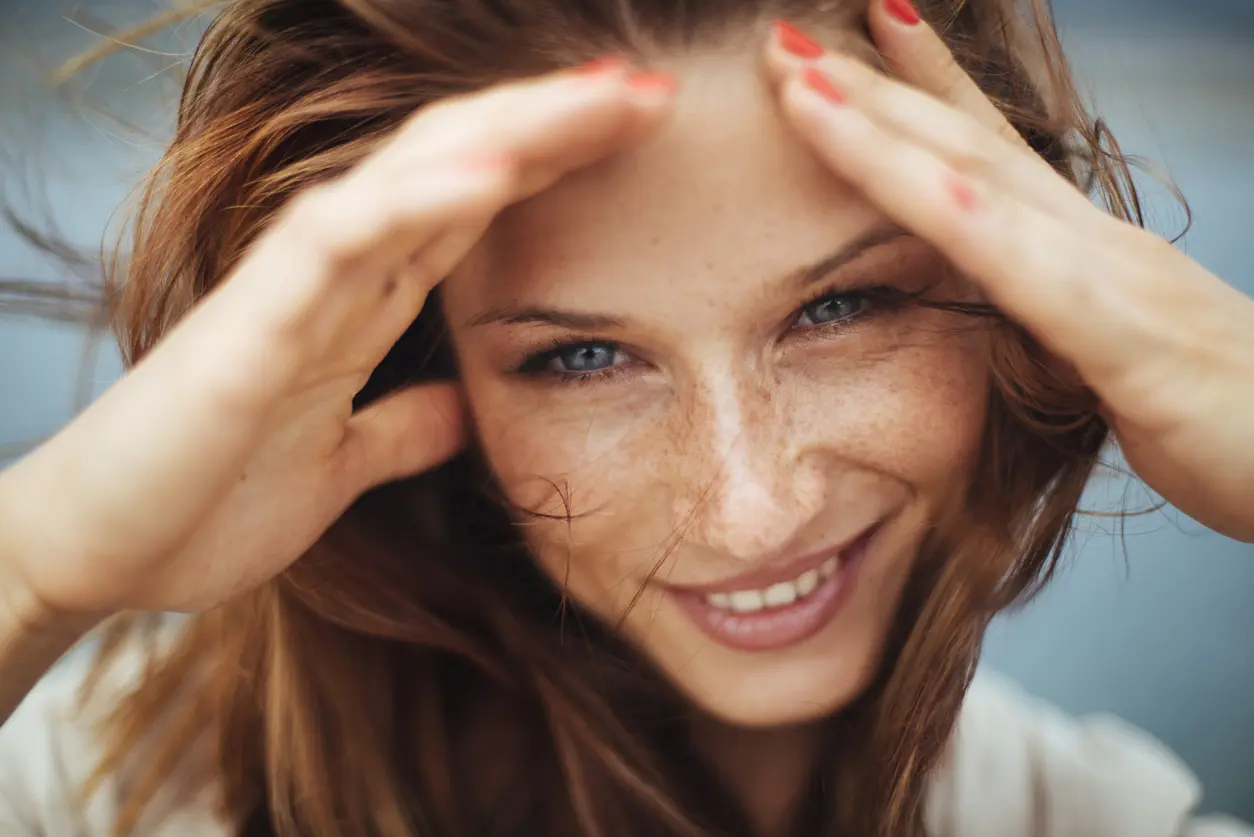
(776, 571)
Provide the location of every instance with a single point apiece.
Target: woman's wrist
(33, 636)
(32, 639)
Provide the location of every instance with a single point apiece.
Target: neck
(769, 769)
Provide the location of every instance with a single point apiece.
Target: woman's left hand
(1166, 345)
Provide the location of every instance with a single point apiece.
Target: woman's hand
(224, 454)
(1167, 346)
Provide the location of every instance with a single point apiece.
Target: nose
(748, 487)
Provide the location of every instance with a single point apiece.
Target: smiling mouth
(757, 613)
(780, 594)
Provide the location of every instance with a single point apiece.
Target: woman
(751, 454)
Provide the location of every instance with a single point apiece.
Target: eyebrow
(877, 236)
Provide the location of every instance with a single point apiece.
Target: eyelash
(534, 365)
(875, 300)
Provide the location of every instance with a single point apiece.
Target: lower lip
(775, 628)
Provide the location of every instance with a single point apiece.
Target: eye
(576, 360)
(832, 308)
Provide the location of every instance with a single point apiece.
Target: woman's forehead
(725, 186)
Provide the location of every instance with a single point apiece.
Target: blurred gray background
(1152, 620)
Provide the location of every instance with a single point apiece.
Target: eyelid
(878, 292)
(597, 376)
(879, 298)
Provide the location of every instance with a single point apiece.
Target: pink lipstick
(773, 609)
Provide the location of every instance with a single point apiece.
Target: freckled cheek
(915, 414)
(565, 452)
(930, 417)
(604, 466)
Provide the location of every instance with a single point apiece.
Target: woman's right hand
(225, 453)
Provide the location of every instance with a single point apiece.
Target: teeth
(780, 594)
(777, 595)
(747, 601)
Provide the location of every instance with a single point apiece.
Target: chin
(765, 692)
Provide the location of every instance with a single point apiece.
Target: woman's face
(677, 349)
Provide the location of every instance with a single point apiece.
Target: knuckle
(877, 84)
(310, 218)
(322, 226)
(1007, 131)
(976, 155)
(950, 81)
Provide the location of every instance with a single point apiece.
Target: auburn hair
(409, 675)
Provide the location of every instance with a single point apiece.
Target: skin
(239, 445)
(733, 432)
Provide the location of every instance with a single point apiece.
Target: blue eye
(589, 357)
(576, 359)
(832, 308)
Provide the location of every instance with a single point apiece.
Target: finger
(528, 134)
(963, 141)
(313, 284)
(557, 124)
(1031, 264)
(363, 239)
(403, 434)
(920, 57)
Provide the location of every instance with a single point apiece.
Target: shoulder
(49, 748)
(1019, 767)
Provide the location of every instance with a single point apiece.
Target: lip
(766, 576)
(772, 629)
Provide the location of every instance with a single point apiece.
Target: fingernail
(903, 11)
(795, 42)
(601, 64)
(651, 82)
(823, 85)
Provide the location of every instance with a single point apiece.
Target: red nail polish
(651, 82)
(902, 11)
(961, 191)
(601, 64)
(823, 85)
(796, 42)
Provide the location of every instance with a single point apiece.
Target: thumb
(403, 434)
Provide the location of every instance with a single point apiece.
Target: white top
(1016, 768)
